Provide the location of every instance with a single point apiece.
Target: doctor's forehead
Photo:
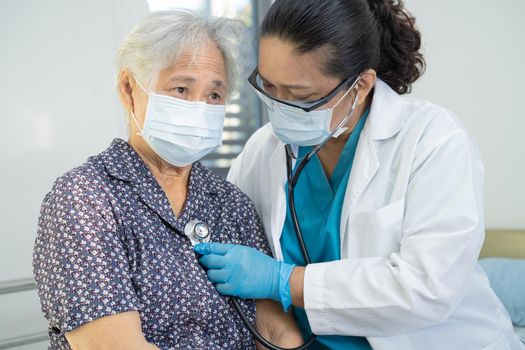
(281, 64)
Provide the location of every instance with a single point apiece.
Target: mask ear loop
(140, 84)
(341, 128)
(137, 124)
(133, 114)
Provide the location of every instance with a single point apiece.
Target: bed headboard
(504, 243)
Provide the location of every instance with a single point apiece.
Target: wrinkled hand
(245, 272)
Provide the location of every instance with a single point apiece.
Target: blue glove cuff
(285, 271)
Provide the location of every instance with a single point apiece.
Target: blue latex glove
(245, 272)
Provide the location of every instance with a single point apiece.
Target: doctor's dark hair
(351, 36)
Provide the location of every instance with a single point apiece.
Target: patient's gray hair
(158, 40)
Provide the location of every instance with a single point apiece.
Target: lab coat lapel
(364, 168)
(278, 197)
(384, 121)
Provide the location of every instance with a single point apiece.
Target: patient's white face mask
(181, 132)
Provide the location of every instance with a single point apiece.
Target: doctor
(390, 207)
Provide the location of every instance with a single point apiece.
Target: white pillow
(520, 331)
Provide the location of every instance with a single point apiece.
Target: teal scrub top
(319, 202)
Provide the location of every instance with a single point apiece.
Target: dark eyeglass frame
(347, 83)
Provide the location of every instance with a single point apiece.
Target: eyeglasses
(256, 81)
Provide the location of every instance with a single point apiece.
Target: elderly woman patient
(113, 266)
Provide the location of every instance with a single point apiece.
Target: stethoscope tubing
(293, 177)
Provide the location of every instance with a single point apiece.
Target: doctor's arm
(419, 285)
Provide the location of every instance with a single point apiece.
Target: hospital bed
(508, 244)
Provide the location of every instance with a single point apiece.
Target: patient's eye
(180, 91)
(215, 98)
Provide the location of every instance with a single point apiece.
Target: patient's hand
(276, 326)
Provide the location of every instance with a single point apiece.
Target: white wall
(475, 51)
(57, 107)
(58, 104)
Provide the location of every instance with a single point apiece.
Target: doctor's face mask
(300, 123)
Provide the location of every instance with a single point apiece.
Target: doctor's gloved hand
(245, 272)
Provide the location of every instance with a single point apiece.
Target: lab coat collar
(385, 119)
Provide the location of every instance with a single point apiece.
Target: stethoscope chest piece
(197, 231)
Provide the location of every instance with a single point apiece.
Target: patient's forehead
(205, 63)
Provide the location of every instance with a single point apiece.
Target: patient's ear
(125, 90)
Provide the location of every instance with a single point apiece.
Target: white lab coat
(411, 231)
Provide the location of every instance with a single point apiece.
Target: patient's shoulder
(227, 194)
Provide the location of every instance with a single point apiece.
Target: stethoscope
(199, 232)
